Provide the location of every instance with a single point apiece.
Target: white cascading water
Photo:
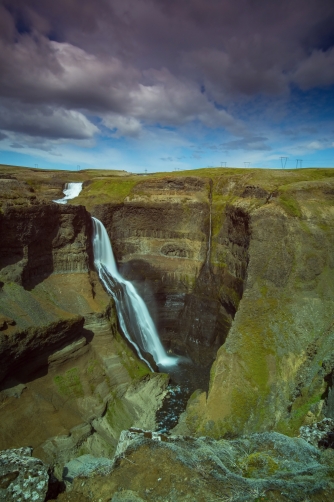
(70, 191)
(134, 318)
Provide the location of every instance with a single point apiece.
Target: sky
(164, 85)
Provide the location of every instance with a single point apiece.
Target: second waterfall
(134, 318)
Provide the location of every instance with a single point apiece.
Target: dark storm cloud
(134, 63)
(45, 122)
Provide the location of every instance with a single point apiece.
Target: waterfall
(70, 191)
(134, 318)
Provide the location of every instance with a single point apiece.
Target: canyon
(236, 267)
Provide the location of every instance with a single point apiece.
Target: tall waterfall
(134, 318)
(70, 191)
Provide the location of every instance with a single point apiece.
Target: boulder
(22, 477)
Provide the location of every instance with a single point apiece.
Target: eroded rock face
(162, 240)
(247, 267)
(274, 370)
(22, 477)
(40, 239)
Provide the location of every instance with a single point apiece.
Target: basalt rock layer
(39, 239)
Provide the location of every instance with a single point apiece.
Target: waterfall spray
(134, 318)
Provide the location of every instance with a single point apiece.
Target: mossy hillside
(119, 415)
(81, 381)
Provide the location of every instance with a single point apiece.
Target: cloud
(251, 143)
(17, 145)
(315, 145)
(45, 122)
(239, 71)
(123, 126)
(144, 69)
(167, 159)
(60, 74)
(316, 71)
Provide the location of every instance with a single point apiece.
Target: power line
(284, 161)
(299, 163)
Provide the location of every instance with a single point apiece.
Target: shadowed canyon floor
(236, 267)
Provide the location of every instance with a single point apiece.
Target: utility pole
(299, 163)
(78, 167)
(246, 164)
(283, 162)
(221, 164)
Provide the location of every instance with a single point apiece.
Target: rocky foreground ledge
(149, 466)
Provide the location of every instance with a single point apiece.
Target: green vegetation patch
(290, 205)
(290, 425)
(258, 465)
(134, 366)
(108, 190)
(118, 415)
(69, 384)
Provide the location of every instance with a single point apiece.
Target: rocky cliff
(68, 380)
(161, 238)
(236, 267)
(241, 260)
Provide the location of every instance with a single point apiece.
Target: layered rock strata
(246, 265)
(161, 237)
(64, 364)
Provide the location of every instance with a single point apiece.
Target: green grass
(290, 205)
(112, 190)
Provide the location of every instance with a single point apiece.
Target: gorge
(236, 269)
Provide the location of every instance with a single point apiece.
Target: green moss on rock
(69, 384)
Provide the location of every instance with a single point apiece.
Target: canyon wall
(254, 277)
(162, 240)
(236, 267)
(68, 381)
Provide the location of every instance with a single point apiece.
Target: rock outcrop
(268, 466)
(22, 477)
